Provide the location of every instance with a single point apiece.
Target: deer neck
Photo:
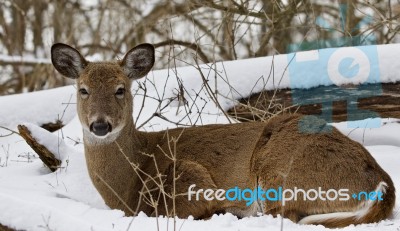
(127, 144)
(111, 165)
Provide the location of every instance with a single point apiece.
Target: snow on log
(45, 155)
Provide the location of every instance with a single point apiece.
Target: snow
(38, 107)
(33, 198)
(382, 135)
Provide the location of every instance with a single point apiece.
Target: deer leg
(183, 176)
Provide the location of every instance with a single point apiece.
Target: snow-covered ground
(33, 198)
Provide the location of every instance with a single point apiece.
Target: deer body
(127, 166)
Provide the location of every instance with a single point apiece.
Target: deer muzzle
(100, 128)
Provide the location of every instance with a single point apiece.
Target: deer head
(103, 88)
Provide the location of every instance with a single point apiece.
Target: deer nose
(100, 128)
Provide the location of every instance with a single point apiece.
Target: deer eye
(120, 93)
(84, 93)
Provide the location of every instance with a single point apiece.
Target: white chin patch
(101, 137)
(110, 137)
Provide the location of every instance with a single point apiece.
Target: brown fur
(214, 156)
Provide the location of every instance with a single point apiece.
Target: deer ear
(67, 60)
(138, 61)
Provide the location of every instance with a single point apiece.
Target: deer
(127, 166)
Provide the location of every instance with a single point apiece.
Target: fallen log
(44, 154)
(344, 103)
(5, 228)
